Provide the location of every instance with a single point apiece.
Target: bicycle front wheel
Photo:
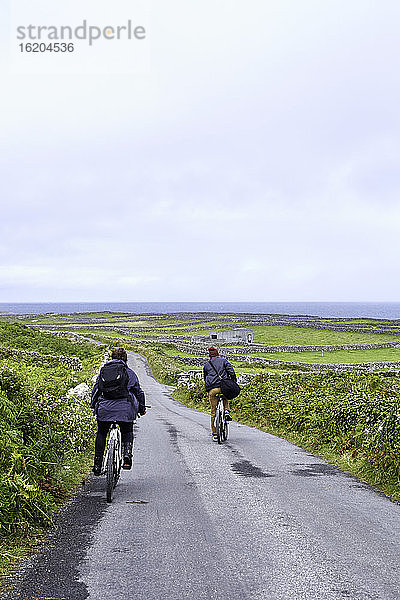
(110, 470)
(225, 430)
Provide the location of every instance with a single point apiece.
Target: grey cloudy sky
(251, 154)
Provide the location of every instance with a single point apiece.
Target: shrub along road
(255, 518)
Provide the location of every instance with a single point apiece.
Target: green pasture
(113, 324)
(362, 322)
(169, 321)
(73, 316)
(174, 352)
(285, 335)
(193, 328)
(333, 357)
(102, 332)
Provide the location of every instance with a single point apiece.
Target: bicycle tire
(225, 430)
(117, 462)
(110, 471)
(218, 426)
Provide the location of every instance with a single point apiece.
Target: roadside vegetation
(45, 433)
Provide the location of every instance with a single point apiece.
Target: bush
(42, 429)
(356, 413)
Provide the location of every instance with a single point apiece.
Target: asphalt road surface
(255, 518)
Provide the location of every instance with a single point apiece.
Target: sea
(372, 310)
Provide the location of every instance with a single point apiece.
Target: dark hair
(120, 354)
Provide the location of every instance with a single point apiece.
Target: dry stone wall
(322, 367)
(72, 362)
(265, 362)
(193, 348)
(190, 378)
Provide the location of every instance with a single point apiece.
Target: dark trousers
(102, 430)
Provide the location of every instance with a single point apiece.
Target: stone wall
(72, 362)
(265, 362)
(70, 335)
(265, 348)
(247, 320)
(201, 349)
(190, 378)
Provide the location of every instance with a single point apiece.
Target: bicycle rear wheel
(110, 470)
(218, 424)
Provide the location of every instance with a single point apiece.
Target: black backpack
(113, 380)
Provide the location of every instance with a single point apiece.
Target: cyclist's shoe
(215, 437)
(228, 415)
(127, 451)
(98, 463)
(127, 464)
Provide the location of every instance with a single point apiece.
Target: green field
(301, 336)
(100, 332)
(336, 356)
(285, 335)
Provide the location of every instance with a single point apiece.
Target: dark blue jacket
(223, 367)
(120, 409)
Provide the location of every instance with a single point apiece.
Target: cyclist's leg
(212, 396)
(227, 409)
(126, 428)
(100, 444)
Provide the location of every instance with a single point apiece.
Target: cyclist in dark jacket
(212, 369)
(123, 411)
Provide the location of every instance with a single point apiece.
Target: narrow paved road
(256, 518)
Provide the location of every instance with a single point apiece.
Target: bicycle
(221, 424)
(113, 459)
(112, 462)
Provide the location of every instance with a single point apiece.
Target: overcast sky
(251, 153)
